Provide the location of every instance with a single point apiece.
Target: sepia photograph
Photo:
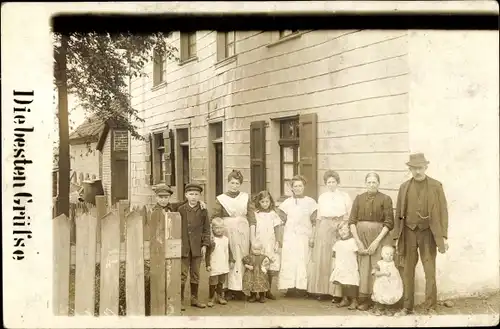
(238, 173)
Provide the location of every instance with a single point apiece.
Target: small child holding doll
(266, 230)
(255, 281)
(346, 271)
(219, 259)
(388, 286)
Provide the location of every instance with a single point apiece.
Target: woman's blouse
(334, 204)
(220, 211)
(373, 208)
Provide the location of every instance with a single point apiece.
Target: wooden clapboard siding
(110, 264)
(157, 262)
(86, 242)
(258, 156)
(61, 248)
(135, 265)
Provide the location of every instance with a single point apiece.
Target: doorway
(215, 175)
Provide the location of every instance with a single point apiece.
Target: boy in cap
(195, 241)
(163, 193)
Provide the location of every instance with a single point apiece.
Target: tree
(95, 68)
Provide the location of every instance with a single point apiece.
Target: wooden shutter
(308, 151)
(167, 143)
(184, 46)
(258, 156)
(148, 160)
(221, 46)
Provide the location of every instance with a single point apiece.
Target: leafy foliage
(98, 69)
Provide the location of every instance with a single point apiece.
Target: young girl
(219, 260)
(255, 281)
(346, 272)
(388, 286)
(266, 230)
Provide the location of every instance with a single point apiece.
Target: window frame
(159, 149)
(282, 35)
(294, 143)
(159, 69)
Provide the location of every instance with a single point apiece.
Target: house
(276, 103)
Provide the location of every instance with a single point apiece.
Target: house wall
(453, 118)
(357, 82)
(106, 168)
(85, 159)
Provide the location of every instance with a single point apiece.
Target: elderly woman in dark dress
(235, 208)
(371, 219)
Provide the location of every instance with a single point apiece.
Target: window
(230, 43)
(285, 33)
(183, 177)
(163, 159)
(257, 156)
(159, 69)
(226, 45)
(289, 152)
(188, 45)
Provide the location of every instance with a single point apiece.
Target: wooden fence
(107, 240)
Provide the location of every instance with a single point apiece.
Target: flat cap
(163, 189)
(194, 187)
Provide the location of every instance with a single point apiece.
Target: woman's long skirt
(320, 267)
(367, 232)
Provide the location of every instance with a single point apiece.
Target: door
(119, 181)
(219, 179)
(185, 167)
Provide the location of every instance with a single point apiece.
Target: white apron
(264, 232)
(238, 232)
(295, 252)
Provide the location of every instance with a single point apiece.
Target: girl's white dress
(346, 262)
(264, 232)
(219, 258)
(387, 290)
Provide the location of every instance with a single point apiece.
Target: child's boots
(212, 296)
(221, 298)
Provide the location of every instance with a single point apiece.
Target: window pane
(288, 171)
(287, 190)
(230, 50)
(192, 44)
(287, 154)
(289, 129)
(230, 37)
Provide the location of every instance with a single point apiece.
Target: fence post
(86, 243)
(135, 293)
(173, 256)
(123, 208)
(62, 249)
(157, 261)
(110, 264)
(100, 203)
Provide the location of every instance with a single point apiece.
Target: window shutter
(167, 143)
(184, 46)
(148, 160)
(258, 156)
(308, 151)
(221, 46)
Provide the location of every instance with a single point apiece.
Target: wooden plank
(100, 202)
(135, 265)
(173, 264)
(61, 228)
(86, 235)
(110, 264)
(157, 264)
(123, 209)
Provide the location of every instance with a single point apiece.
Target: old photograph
(259, 173)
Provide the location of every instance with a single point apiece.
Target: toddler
(255, 281)
(346, 271)
(218, 260)
(387, 286)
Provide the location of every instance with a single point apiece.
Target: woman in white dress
(334, 207)
(234, 207)
(298, 238)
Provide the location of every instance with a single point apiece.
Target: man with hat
(163, 193)
(195, 241)
(420, 226)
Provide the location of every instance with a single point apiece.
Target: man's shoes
(196, 303)
(404, 312)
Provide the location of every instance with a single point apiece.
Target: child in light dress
(387, 286)
(255, 281)
(266, 230)
(219, 259)
(346, 271)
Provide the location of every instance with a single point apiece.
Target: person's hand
(231, 265)
(276, 246)
(362, 252)
(203, 205)
(311, 242)
(373, 247)
(361, 246)
(374, 271)
(203, 251)
(250, 267)
(209, 269)
(446, 246)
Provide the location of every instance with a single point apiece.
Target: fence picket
(110, 264)
(173, 268)
(135, 265)
(61, 228)
(157, 261)
(86, 242)
(100, 208)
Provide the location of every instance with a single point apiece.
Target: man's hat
(194, 187)
(417, 160)
(163, 189)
